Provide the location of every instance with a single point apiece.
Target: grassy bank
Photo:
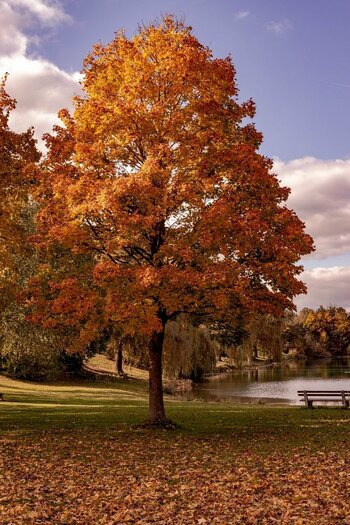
(70, 454)
(122, 404)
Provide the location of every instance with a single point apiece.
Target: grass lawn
(70, 454)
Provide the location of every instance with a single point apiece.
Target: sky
(291, 58)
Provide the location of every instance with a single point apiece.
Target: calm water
(279, 383)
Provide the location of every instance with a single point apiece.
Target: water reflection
(279, 382)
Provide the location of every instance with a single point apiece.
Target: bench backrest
(326, 393)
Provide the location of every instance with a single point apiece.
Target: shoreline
(228, 369)
(249, 400)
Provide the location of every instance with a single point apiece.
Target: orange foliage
(17, 152)
(156, 177)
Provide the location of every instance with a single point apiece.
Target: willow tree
(156, 174)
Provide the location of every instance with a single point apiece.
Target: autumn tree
(26, 351)
(157, 174)
(17, 152)
(330, 327)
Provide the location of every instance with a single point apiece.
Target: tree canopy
(159, 178)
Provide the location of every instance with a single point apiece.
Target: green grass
(121, 405)
(70, 405)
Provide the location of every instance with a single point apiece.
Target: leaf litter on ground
(87, 477)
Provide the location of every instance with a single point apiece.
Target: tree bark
(156, 404)
(120, 359)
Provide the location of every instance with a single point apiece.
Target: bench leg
(308, 402)
(345, 402)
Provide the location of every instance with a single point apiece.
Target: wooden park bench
(310, 396)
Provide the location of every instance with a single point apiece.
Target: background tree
(17, 152)
(156, 175)
(43, 352)
(188, 350)
(32, 352)
(25, 351)
(264, 337)
(331, 329)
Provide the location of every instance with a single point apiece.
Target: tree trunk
(120, 359)
(118, 356)
(156, 404)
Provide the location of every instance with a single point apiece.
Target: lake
(277, 383)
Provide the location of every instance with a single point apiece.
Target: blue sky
(291, 57)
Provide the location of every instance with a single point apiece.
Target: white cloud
(242, 14)
(326, 287)
(321, 198)
(279, 26)
(320, 195)
(40, 87)
(49, 12)
(12, 39)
